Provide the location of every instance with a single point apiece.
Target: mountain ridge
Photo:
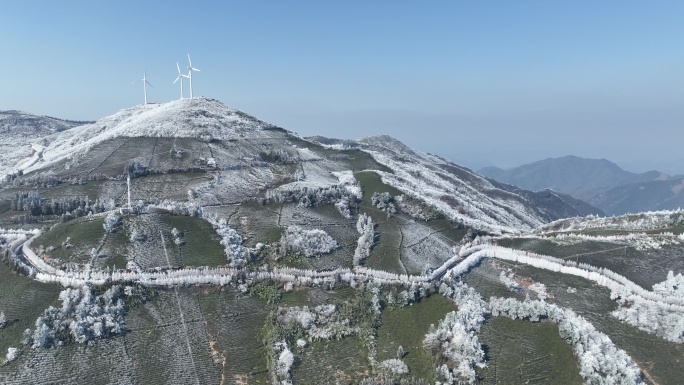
(237, 144)
(598, 182)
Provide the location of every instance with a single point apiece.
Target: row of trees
(31, 202)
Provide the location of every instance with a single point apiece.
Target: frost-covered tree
(366, 228)
(83, 317)
(3, 320)
(454, 339)
(308, 242)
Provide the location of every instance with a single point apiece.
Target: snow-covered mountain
(237, 146)
(202, 118)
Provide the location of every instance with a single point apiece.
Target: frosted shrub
(112, 223)
(343, 208)
(3, 320)
(384, 201)
(281, 369)
(12, 354)
(507, 279)
(138, 236)
(308, 242)
(394, 366)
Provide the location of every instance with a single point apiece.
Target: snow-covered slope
(202, 118)
(456, 191)
(20, 132)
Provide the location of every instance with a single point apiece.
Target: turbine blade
(179, 76)
(177, 66)
(148, 83)
(189, 62)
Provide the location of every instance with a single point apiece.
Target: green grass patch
(234, 323)
(22, 300)
(406, 327)
(371, 183)
(85, 234)
(202, 244)
(520, 352)
(329, 362)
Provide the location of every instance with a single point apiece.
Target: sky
(482, 83)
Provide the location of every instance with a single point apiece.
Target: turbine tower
(189, 76)
(145, 84)
(180, 77)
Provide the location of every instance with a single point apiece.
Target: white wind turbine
(145, 84)
(180, 77)
(189, 76)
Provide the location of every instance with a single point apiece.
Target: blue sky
(481, 83)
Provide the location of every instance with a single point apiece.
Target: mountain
(190, 242)
(237, 141)
(643, 196)
(593, 181)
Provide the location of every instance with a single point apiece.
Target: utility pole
(128, 182)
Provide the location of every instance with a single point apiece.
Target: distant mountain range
(598, 182)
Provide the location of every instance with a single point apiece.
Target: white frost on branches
(112, 223)
(236, 253)
(508, 280)
(455, 339)
(322, 322)
(394, 366)
(384, 201)
(365, 227)
(651, 316)
(83, 317)
(284, 364)
(308, 242)
(12, 354)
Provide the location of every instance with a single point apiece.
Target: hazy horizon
(499, 84)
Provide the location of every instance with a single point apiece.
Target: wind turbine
(145, 84)
(180, 77)
(189, 76)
